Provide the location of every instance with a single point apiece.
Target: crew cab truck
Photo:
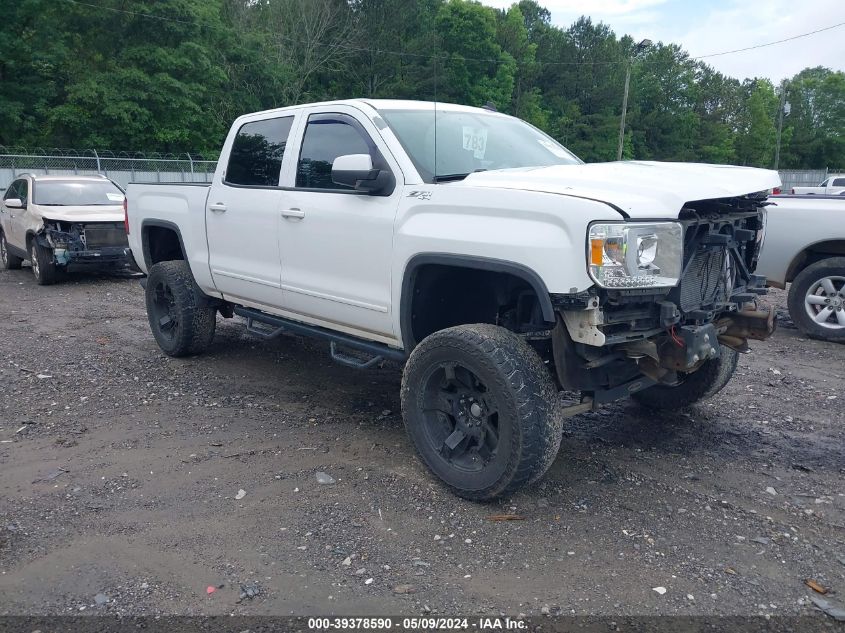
(805, 247)
(830, 187)
(477, 251)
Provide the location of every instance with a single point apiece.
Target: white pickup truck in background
(832, 186)
(805, 245)
(477, 251)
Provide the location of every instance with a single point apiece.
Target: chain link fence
(801, 177)
(122, 167)
(126, 167)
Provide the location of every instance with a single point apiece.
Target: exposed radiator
(705, 281)
(105, 235)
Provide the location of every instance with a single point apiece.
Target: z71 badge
(420, 195)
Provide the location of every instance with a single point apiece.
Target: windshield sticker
(116, 197)
(554, 149)
(475, 140)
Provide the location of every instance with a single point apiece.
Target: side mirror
(356, 171)
(14, 203)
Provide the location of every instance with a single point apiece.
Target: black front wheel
(480, 408)
(181, 321)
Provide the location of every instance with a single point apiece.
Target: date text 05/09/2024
(417, 623)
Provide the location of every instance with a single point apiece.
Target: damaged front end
(86, 243)
(617, 338)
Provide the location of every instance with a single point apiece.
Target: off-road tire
(7, 260)
(801, 285)
(529, 427)
(43, 265)
(186, 326)
(699, 385)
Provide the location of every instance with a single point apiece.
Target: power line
(787, 39)
(135, 13)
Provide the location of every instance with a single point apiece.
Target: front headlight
(635, 255)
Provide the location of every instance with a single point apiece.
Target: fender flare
(164, 224)
(467, 261)
(792, 270)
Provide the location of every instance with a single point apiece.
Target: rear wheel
(43, 265)
(480, 409)
(7, 260)
(699, 385)
(817, 300)
(181, 322)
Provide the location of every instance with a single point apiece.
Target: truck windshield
(472, 141)
(66, 193)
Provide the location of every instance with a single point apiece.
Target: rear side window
(327, 137)
(256, 156)
(838, 182)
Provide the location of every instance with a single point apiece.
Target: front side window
(12, 191)
(83, 193)
(23, 191)
(256, 155)
(825, 183)
(327, 137)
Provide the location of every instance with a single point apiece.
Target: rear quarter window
(257, 152)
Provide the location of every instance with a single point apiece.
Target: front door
(16, 220)
(242, 214)
(336, 243)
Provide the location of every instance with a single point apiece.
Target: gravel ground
(121, 471)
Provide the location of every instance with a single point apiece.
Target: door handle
(217, 207)
(293, 214)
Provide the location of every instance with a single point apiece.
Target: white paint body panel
(341, 264)
(642, 189)
(792, 225)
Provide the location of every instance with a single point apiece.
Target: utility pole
(624, 112)
(784, 107)
(637, 50)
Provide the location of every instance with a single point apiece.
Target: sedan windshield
(66, 193)
(471, 141)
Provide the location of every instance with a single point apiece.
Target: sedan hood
(95, 213)
(638, 189)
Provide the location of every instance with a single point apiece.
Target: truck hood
(638, 189)
(97, 213)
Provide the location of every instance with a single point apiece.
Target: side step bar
(280, 325)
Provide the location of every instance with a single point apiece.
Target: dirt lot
(120, 471)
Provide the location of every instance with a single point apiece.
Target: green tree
(755, 142)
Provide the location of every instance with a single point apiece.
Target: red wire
(675, 337)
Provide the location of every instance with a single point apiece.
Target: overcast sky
(703, 27)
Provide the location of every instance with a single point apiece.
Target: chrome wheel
(825, 302)
(33, 258)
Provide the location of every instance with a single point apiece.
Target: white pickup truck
(830, 187)
(477, 251)
(805, 246)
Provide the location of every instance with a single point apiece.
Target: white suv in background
(58, 222)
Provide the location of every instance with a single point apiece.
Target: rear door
(242, 212)
(336, 243)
